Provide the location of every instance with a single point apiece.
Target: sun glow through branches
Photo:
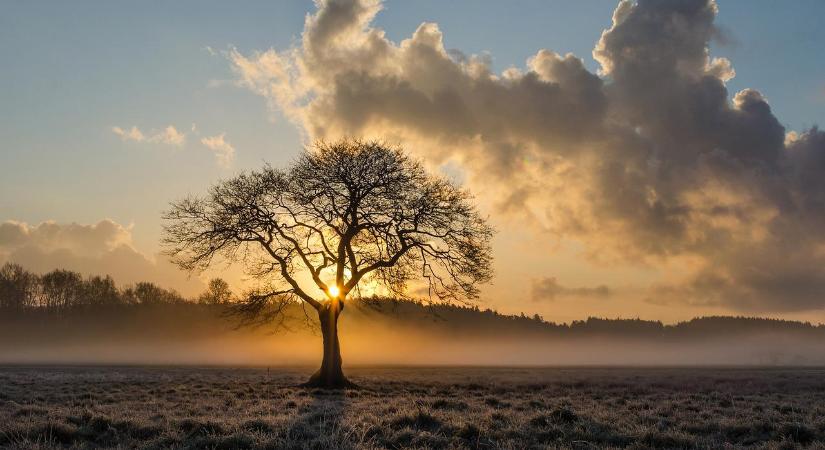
(333, 291)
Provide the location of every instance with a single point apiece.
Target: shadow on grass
(318, 424)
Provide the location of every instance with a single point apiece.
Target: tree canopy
(342, 214)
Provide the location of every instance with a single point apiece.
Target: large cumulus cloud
(104, 248)
(649, 160)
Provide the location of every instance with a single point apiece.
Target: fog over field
(396, 333)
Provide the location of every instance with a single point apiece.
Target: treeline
(62, 290)
(466, 317)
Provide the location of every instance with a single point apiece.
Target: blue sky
(73, 70)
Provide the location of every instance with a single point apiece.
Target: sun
(333, 291)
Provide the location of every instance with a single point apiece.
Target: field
(516, 408)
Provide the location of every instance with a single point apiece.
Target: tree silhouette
(217, 293)
(62, 289)
(18, 287)
(342, 215)
(146, 293)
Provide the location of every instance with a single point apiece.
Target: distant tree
(146, 293)
(342, 214)
(62, 289)
(101, 291)
(217, 293)
(128, 296)
(18, 287)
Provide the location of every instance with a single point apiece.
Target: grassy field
(131, 407)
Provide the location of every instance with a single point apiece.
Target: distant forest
(63, 293)
(62, 290)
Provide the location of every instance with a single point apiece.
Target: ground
(515, 408)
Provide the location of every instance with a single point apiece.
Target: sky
(629, 182)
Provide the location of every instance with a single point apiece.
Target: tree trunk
(330, 375)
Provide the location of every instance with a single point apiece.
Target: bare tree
(62, 289)
(217, 293)
(18, 287)
(101, 291)
(147, 293)
(342, 215)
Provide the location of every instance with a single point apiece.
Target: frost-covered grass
(92, 407)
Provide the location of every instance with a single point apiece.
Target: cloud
(169, 135)
(548, 289)
(80, 239)
(224, 151)
(133, 134)
(97, 249)
(647, 161)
